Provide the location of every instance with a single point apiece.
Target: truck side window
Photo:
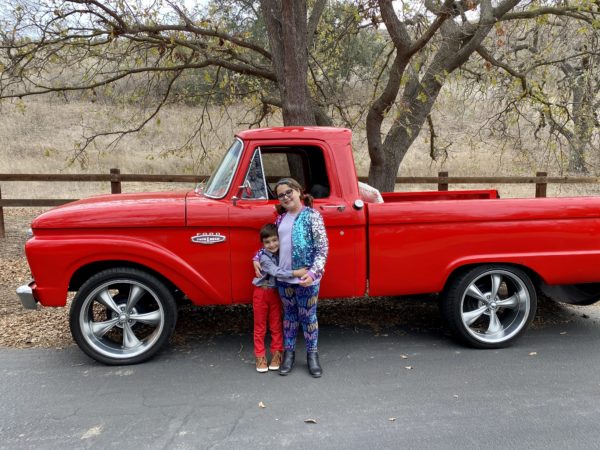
(304, 163)
(255, 185)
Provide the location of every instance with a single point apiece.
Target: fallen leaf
(261, 405)
(94, 431)
(310, 421)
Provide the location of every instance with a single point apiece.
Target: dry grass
(41, 136)
(32, 142)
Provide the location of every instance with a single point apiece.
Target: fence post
(540, 188)
(115, 181)
(442, 181)
(2, 229)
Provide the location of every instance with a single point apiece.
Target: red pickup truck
(131, 257)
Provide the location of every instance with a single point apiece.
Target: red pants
(267, 310)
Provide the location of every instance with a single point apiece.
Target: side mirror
(245, 190)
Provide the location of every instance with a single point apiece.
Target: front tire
(489, 306)
(122, 316)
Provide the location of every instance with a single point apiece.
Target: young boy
(266, 302)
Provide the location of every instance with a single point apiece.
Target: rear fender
(552, 268)
(460, 265)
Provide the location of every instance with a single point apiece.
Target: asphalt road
(544, 392)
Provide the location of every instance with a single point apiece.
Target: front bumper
(25, 294)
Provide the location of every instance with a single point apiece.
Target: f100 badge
(208, 238)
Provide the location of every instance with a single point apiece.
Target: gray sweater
(269, 266)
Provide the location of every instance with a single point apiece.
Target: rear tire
(489, 306)
(122, 316)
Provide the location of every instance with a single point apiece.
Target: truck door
(249, 209)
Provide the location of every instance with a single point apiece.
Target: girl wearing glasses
(302, 244)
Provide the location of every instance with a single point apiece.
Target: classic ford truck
(131, 257)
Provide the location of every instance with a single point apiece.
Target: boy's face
(271, 243)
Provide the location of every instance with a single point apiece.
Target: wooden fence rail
(116, 178)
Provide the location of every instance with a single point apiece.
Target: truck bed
(414, 246)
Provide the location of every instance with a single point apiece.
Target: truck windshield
(219, 182)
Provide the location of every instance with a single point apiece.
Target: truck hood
(143, 210)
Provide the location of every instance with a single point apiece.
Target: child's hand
(306, 280)
(257, 271)
(299, 273)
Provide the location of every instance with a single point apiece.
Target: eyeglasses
(287, 193)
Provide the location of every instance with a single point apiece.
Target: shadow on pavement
(418, 316)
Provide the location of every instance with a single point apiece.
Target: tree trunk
(459, 41)
(583, 122)
(416, 103)
(287, 27)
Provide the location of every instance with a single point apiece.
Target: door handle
(340, 208)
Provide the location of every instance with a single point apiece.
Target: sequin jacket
(310, 245)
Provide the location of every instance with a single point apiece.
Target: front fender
(53, 274)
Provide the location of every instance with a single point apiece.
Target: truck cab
(244, 183)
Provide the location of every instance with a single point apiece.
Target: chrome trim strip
(258, 152)
(237, 166)
(262, 167)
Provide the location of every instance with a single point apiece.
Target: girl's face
(288, 197)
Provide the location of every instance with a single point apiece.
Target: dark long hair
(307, 199)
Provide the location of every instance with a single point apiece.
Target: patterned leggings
(299, 307)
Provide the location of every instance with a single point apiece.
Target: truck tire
(122, 316)
(489, 306)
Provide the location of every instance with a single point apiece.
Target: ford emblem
(208, 238)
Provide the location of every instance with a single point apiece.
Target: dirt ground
(48, 327)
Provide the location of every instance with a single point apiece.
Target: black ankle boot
(288, 362)
(312, 359)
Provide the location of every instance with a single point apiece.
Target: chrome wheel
(490, 306)
(495, 306)
(119, 319)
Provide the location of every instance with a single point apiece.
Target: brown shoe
(276, 360)
(261, 364)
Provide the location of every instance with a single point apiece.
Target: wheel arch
(88, 270)
(458, 271)
(176, 274)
